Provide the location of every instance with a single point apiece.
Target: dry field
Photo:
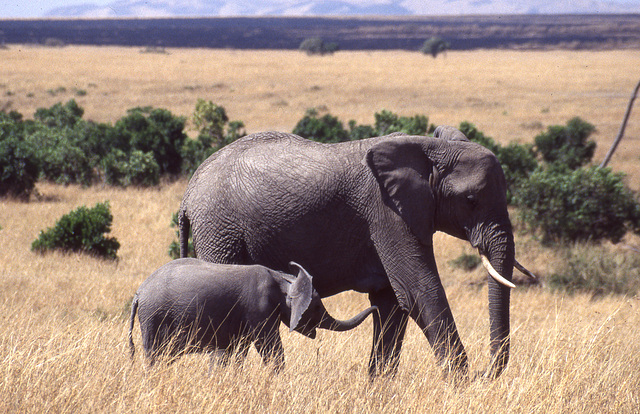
(509, 95)
(63, 333)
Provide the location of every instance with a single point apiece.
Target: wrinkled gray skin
(189, 305)
(361, 215)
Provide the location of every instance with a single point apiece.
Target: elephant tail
(184, 227)
(132, 320)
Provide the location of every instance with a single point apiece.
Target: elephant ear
(300, 294)
(403, 171)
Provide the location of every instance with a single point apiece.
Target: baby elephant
(189, 305)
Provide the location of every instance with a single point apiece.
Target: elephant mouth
(498, 277)
(476, 244)
(524, 270)
(494, 273)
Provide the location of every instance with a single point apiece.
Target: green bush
(466, 262)
(584, 204)
(142, 169)
(386, 122)
(235, 130)
(357, 132)
(152, 130)
(194, 152)
(114, 168)
(211, 120)
(55, 146)
(81, 230)
(95, 139)
(61, 160)
(19, 167)
(215, 131)
(60, 146)
(67, 148)
(327, 128)
(434, 46)
(317, 46)
(594, 269)
(567, 145)
(518, 161)
(475, 135)
(59, 115)
(136, 168)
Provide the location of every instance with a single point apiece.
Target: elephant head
(456, 186)
(306, 309)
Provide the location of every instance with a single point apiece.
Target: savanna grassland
(63, 318)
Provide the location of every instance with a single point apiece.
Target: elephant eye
(472, 200)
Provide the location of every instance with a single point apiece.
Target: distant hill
(354, 33)
(221, 8)
(253, 8)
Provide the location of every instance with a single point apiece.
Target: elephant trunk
(332, 324)
(501, 255)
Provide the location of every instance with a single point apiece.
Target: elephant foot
(456, 377)
(388, 371)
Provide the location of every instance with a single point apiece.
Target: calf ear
(300, 293)
(404, 172)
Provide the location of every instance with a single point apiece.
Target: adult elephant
(361, 215)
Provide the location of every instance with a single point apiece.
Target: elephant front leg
(433, 316)
(236, 351)
(388, 333)
(420, 293)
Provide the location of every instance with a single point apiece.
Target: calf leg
(270, 349)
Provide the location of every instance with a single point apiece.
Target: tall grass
(591, 268)
(63, 336)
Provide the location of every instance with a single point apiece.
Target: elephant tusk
(494, 274)
(525, 271)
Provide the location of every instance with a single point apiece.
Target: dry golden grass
(63, 333)
(509, 95)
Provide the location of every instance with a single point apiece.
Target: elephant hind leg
(236, 351)
(388, 333)
(224, 357)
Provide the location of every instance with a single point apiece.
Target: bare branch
(607, 157)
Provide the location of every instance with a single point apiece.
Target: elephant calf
(189, 305)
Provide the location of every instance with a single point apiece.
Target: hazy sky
(38, 8)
